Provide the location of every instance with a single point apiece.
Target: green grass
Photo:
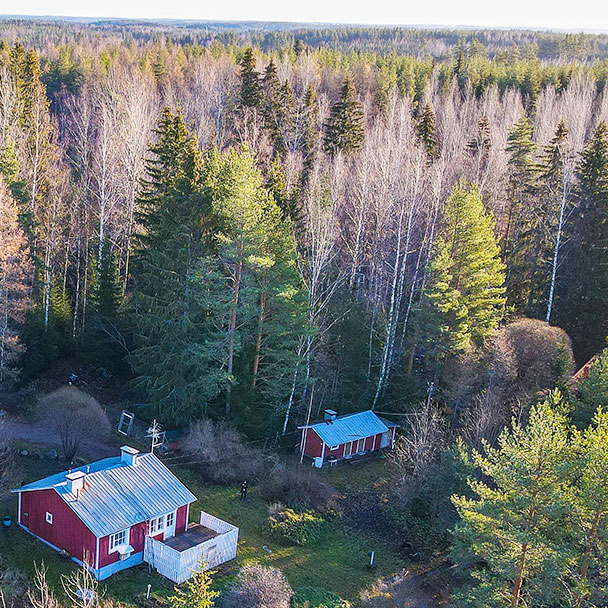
(337, 562)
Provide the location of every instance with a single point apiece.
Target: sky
(551, 14)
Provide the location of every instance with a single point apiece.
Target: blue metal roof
(118, 495)
(349, 427)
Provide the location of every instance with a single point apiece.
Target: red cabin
(118, 512)
(339, 437)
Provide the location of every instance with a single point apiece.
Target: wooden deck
(194, 535)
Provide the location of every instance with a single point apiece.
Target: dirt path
(16, 429)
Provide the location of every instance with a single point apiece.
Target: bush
(299, 487)
(222, 454)
(259, 586)
(295, 528)
(312, 597)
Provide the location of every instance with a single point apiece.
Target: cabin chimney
(75, 482)
(128, 455)
(330, 415)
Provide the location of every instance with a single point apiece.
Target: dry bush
(258, 586)
(298, 486)
(76, 416)
(221, 453)
(542, 355)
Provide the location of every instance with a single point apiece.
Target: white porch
(212, 541)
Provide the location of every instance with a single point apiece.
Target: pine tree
(581, 308)
(344, 130)
(251, 90)
(517, 522)
(426, 132)
(592, 512)
(198, 592)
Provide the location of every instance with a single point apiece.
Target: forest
(251, 226)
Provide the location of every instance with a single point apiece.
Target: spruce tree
(523, 173)
(581, 307)
(426, 132)
(198, 592)
(344, 130)
(165, 309)
(251, 90)
(477, 270)
(107, 294)
(310, 137)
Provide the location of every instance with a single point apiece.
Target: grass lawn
(337, 562)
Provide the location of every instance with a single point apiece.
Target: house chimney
(128, 455)
(75, 481)
(330, 415)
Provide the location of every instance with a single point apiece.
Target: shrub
(258, 586)
(295, 528)
(222, 454)
(313, 597)
(299, 487)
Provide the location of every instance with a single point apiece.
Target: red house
(118, 512)
(338, 437)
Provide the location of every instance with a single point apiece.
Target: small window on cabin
(49, 518)
(333, 448)
(170, 519)
(117, 540)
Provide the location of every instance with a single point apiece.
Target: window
(49, 518)
(361, 445)
(117, 540)
(333, 448)
(157, 524)
(170, 520)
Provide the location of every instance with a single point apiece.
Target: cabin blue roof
(118, 495)
(349, 427)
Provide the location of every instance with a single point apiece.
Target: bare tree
(76, 416)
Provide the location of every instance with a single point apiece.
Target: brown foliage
(259, 586)
(221, 454)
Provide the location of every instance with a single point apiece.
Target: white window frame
(168, 523)
(157, 525)
(333, 448)
(49, 518)
(117, 540)
(362, 449)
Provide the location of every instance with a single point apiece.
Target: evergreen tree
(285, 197)
(310, 137)
(516, 523)
(533, 255)
(107, 294)
(477, 271)
(581, 307)
(197, 593)
(426, 132)
(523, 172)
(344, 130)
(251, 90)
(165, 309)
(444, 316)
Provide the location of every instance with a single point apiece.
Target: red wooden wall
(66, 532)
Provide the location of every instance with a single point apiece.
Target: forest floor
(337, 562)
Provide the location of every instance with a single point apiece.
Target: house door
(169, 525)
(348, 449)
(385, 441)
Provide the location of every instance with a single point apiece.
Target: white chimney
(128, 455)
(330, 415)
(75, 481)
